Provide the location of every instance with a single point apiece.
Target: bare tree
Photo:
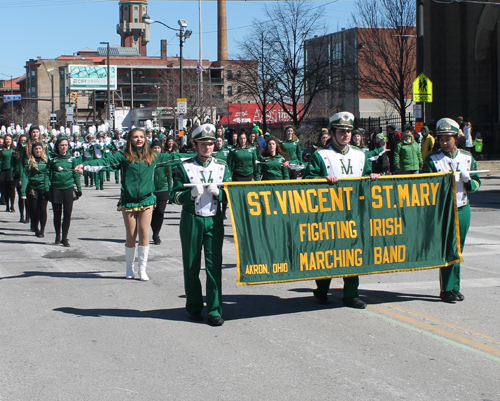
(386, 50)
(19, 113)
(204, 100)
(255, 78)
(277, 44)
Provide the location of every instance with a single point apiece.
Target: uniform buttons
(197, 203)
(191, 178)
(324, 158)
(327, 166)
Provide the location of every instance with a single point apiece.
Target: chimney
(163, 47)
(221, 30)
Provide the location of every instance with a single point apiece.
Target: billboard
(92, 77)
(248, 113)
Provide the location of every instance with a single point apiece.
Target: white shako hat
(447, 126)
(344, 119)
(204, 133)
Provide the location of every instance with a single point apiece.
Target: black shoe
(196, 317)
(12, 210)
(37, 234)
(86, 185)
(65, 243)
(215, 321)
(21, 220)
(58, 240)
(322, 299)
(156, 240)
(459, 295)
(448, 296)
(40, 235)
(357, 304)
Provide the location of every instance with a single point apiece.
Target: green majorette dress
(332, 161)
(242, 163)
(201, 225)
(270, 168)
(138, 187)
(460, 160)
(292, 150)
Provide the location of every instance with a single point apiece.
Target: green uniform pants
(449, 276)
(87, 175)
(350, 288)
(207, 232)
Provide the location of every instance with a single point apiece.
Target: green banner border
(323, 180)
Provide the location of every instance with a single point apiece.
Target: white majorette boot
(142, 256)
(129, 261)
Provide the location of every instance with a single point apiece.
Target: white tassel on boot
(142, 256)
(129, 261)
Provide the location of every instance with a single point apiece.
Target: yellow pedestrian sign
(422, 89)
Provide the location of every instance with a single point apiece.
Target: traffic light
(73, 96)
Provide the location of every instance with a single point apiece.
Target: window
(238, 73)
(229, 74)
(136, 20)
(238, 89)
(230, 91)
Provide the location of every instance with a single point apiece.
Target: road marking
(444, 322)
(434, 333)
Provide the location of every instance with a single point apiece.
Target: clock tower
(132, 29)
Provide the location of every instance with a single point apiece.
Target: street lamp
(108, 114)
(51, 88)
(183, 34)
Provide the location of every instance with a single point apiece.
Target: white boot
(142, 256)
(129, 261)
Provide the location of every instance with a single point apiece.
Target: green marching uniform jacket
(62, 174)
(37, 176)
(351, 162)
(7, 161)
(186, 173)
(243, 161)
(138, 185)
(270, 168)
(441, 161)
(292, 150)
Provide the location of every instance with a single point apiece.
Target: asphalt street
(73, 328)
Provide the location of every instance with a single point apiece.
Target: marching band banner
(309, 229)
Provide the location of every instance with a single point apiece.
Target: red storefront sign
(248, 113)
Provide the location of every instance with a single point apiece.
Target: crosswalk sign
(422, 89)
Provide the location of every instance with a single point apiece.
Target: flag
(200, 69)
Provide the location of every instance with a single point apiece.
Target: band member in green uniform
(271, 162)
(21, 198)
(201, 224)
(138, 163)
(293, 152)
(37, 188)
(329, 163)
(242, 160)
(7, 167)
(162, 192)
(461, 162)
(63, 179)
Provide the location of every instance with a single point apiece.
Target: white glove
(213, 189)
(465, 176)
(197, 190)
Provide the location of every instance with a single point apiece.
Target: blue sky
(50, 28)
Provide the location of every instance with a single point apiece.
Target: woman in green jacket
(7, 167)
(63, 179)
(271, 162)
(138, 163)
(37, 188)
(242, 160)
(163, 185)
(407, 156)
(21, 202)
(293, 152)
